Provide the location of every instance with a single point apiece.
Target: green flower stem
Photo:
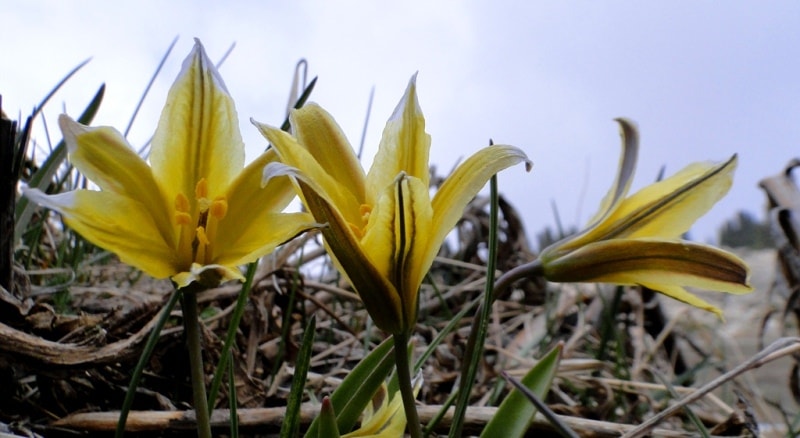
(191, 326)
(404, 381)
(532, 269)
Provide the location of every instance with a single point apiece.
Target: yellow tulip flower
(384, 228)
(195, 213)
(384, 416)
(636, 240)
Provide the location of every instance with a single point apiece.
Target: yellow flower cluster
(196, 213)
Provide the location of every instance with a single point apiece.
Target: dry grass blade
(778, 349)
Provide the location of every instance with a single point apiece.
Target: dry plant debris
(66, 370)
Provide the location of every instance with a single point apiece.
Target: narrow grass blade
(291, 423)
(454, 321)
(477, 335)
(45, 173)
(137, 372)
(516, 411)
(357, 389)
(58, 87)
(366, 122)
(393, 385)
(698, 423)
(436, 419)
(300, 102)
(230, 336)
(149, 86)
(301, 66)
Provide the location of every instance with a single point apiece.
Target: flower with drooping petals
(636, 240)
(195, 213)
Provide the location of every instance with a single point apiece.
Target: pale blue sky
(702, 79)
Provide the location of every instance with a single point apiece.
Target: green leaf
(357, 389)
(327, 421)
(291, 423)
(516, 411)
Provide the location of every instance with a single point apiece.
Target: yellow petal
(668, 208)
(681, 294)
(198, 132)
(117, 224)
(317, 132)
(404, 146)
(106, 158)
(384, 417)
(388, 421)
(652, 262)
(380, 297)
(395, 236)
(209, 275)
(260, 234)
(342, 197)
(598, 227)
(247, 189)
(462, 185)
(253, 225)
(625, 171)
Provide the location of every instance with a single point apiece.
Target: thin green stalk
(609, 323)
(438, 293)
(233, 402)
(149, 86)
(191, 326)
(443, 334)
(291, 421)
(230, 336)
(137, 372)
(698, 423)
(477, 335)
(406, 387)
(440, 415)
(479, 326)
(286, 328)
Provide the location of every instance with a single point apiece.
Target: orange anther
(219, 208)
(181, 203)
(182, 218)
(201, 189)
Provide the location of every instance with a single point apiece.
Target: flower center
(364, 210)
(198, 223)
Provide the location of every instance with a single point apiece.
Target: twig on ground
(777, 349)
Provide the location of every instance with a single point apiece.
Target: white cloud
(702, 81)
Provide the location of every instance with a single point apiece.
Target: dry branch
(39, 353)
(268, 420)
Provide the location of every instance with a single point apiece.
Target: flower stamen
(208, 213)
(182, 216)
